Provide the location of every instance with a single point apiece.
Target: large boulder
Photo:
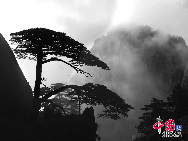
(15, 91)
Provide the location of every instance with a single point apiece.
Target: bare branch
(57, 59)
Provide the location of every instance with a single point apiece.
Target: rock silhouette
(15, 92)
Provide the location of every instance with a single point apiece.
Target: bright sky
(86, 20)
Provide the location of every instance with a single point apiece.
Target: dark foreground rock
(67, 128)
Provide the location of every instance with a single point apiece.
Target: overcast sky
(86, 20)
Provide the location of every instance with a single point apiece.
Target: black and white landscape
(93, 69)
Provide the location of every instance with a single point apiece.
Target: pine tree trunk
(36, 99)
(35, 111)
(79, 105)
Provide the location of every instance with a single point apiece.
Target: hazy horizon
(91, 18)
(88, 20)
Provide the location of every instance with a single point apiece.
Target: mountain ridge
(143, 62)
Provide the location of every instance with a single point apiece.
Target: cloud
(170, 16)
(144, 63)
(183, 3)
(87, 19)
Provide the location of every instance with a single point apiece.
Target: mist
(144, 63)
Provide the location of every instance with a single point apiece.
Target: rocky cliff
(143, 62)
(15, 92)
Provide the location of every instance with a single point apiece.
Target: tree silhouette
(177, 101)
(155, 109)
(92, 94)
(175, 108)
(45, 45)
(61, 100)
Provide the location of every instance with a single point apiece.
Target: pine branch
(57, 59)
(53, 103)
(58, 91)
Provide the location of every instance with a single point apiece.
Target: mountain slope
(144, 63)
(15, 92)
